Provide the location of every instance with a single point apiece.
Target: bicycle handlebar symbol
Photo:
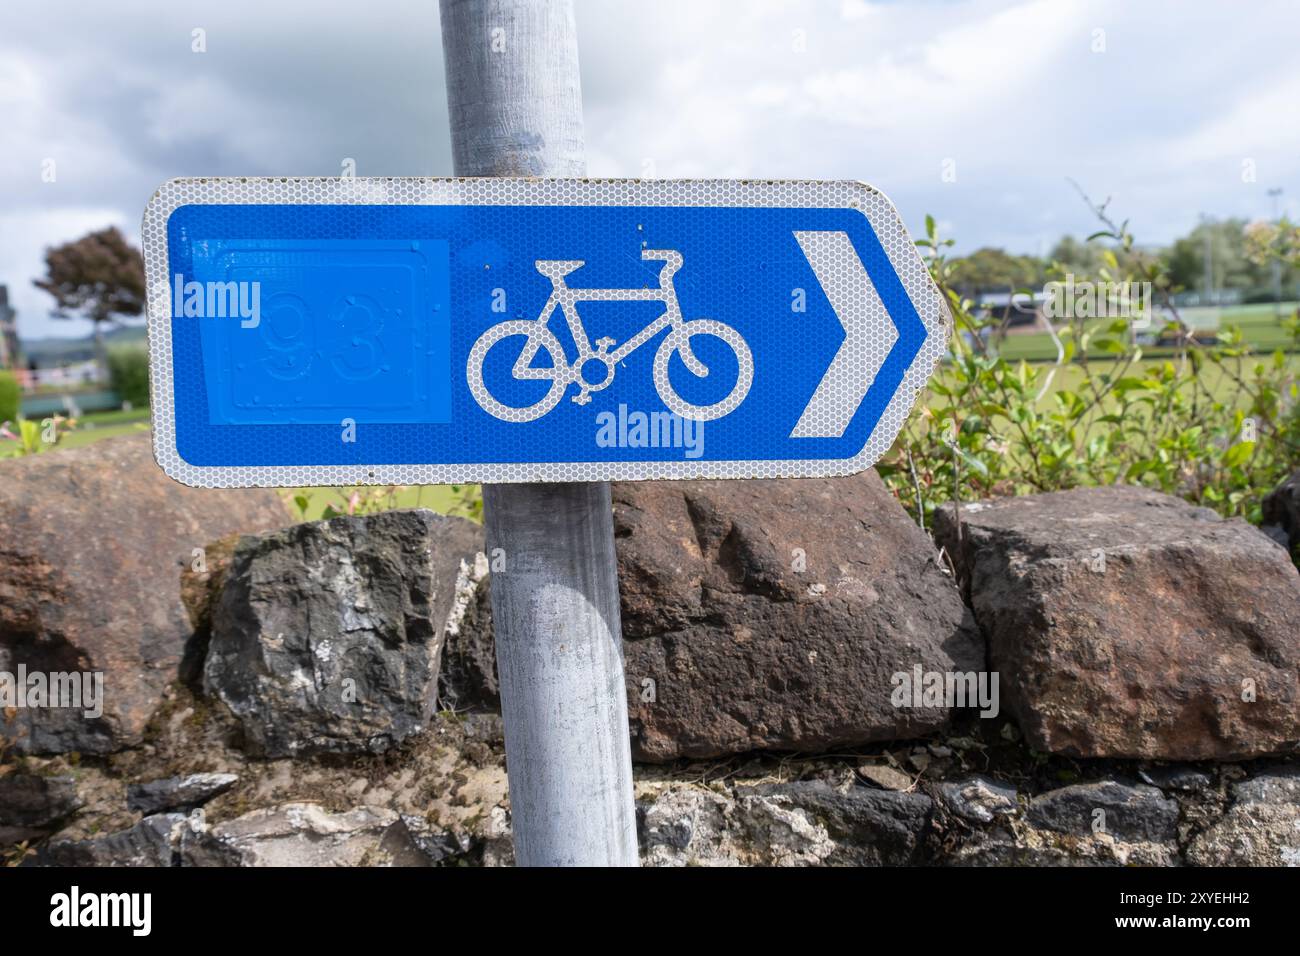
(604, 357)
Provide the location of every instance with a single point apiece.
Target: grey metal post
(515, 104)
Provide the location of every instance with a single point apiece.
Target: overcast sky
(975, 111)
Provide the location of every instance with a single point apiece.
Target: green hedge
(10, 397)
(128, 369)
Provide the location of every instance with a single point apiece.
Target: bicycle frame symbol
(604, 357)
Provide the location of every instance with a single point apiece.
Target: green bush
(10, 397)
(128, 369)
(1213, 423)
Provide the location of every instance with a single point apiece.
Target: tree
(1223, 244)
(1075, 257)
(97, 277)
(994, 270)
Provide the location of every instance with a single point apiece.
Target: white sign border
(881, 213)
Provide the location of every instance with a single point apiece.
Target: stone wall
(1095, 677)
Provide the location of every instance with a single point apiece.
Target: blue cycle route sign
(371, 330)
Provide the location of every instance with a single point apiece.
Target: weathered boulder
(31, 805)
(1127, 623)
(804, 823)
(1281, 513)
(306, 834)
(178, 793)
(1107, 822)
(154, 841)
(775, 614)
(868, 827)
(1128, 812)
(1261, 828)
(92, 543)
(327, 635)
(294, 834)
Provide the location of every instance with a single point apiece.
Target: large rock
(805, 823)
(1262, 827)
(1128, 812)
(327, 635)
(154, 841)
(1282, 513)
(294, 834)
(92, 543)
(1104, 823)
(31, 805)
(178, 793)
(1126, 623)
(775, 614)
(868, 827)
(306, 834)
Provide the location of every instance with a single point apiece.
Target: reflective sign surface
(351, 331)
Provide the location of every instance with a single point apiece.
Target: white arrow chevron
(869, 334)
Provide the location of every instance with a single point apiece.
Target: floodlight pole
(515, 105)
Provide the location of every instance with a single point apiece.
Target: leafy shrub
(10, 397)
(1209, 422)
(29, 437)
(128, 370)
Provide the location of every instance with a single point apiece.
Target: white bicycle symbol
(603, 359)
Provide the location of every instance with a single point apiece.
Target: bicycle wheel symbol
(604, 358)
(538, 338)
(679, 340)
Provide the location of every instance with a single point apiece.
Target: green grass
(445, 499)
(80, 437)
(1260, 313)
(119, 416)
(1259, 325)
(1219, 384)
(1070, 378)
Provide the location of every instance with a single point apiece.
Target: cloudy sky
(975, 111)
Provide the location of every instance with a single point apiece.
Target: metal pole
(515, 104)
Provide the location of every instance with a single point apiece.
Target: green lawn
(1259, 324)
(1220, 385)
(117, 417)
(1260, 313)
(82, 435)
